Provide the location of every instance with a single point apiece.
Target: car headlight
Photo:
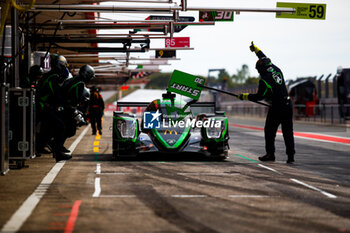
(127, 128)
(215, 131)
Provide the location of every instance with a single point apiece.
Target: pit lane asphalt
(187, 195)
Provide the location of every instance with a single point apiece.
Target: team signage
(303, 10)
(170, 132)
(165, 53)
(151, 120)
(185, 84)
(177, 42)
(177, 28)
(216, 16)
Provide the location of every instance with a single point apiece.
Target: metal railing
(322, 113)
(325, 113)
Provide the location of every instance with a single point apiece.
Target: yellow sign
(170, 132)
(303, 10)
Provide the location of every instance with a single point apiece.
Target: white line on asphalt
(268, 168)
(314, 188)
(98, 169)
(248, 196)
(25, 210)
(118, 196)
(188, 196)
(97, 187)
(207, 174)
(117, 173)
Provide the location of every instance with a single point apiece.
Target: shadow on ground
(152, 157)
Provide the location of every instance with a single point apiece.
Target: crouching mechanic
(77, 97)
(272, 88)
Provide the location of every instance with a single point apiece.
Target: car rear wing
(145, 104)
(197, 107)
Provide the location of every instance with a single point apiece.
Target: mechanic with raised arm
(272, 88)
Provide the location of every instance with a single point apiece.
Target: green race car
(171, 126)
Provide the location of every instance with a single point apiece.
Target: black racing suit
(50, 103)
(272, 88)
(73, 91)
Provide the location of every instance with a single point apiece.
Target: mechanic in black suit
(272, 88)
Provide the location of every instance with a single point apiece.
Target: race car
(170, 126)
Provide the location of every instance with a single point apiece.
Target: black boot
(65, 150)
(290, 159)
(267, 157)
(61, 156)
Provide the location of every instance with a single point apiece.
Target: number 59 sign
(303, 10)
